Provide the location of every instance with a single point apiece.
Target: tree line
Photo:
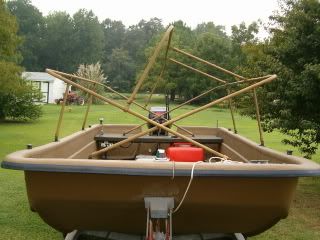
(289, 104)
(63, 42)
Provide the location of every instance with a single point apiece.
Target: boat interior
(144, 149)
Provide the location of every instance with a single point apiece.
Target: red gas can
(185, 153)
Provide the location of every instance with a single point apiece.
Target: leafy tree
(139, 36)
(69, 41)
(178, 79)
(243, 35)
(210, 27)
(88, 39)
(58, 49)
(215, 48)
(114, 34)
(121, 70)
(126, 56)
(16, 96)
(207, 41)
(291, 103)
(117, 63)
(31, 24)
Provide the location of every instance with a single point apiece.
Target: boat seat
(113, 138)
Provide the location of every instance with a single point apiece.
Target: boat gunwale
(160, 172)
(23, 160)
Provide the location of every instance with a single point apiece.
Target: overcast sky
(193, 12)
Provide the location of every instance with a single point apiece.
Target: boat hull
(70, 191)
(68, 201)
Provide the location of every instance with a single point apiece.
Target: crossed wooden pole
(69, 79)
(197, 97)
(156, 124)
(72, 76)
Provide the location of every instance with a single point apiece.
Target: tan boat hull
(70, 191)
(68, 201)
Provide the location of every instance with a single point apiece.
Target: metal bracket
(159, 206)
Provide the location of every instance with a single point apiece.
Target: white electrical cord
(222, 160)
(187, 189)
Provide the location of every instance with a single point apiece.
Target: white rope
(221, 159)
(187, 189)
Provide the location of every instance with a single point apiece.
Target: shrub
(17, 96)
(19, 105)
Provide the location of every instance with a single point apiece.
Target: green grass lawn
(18, 222)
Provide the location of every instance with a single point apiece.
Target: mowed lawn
(18, 222)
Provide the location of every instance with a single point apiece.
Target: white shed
(51, 87)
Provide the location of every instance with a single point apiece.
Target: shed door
(44, 88)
